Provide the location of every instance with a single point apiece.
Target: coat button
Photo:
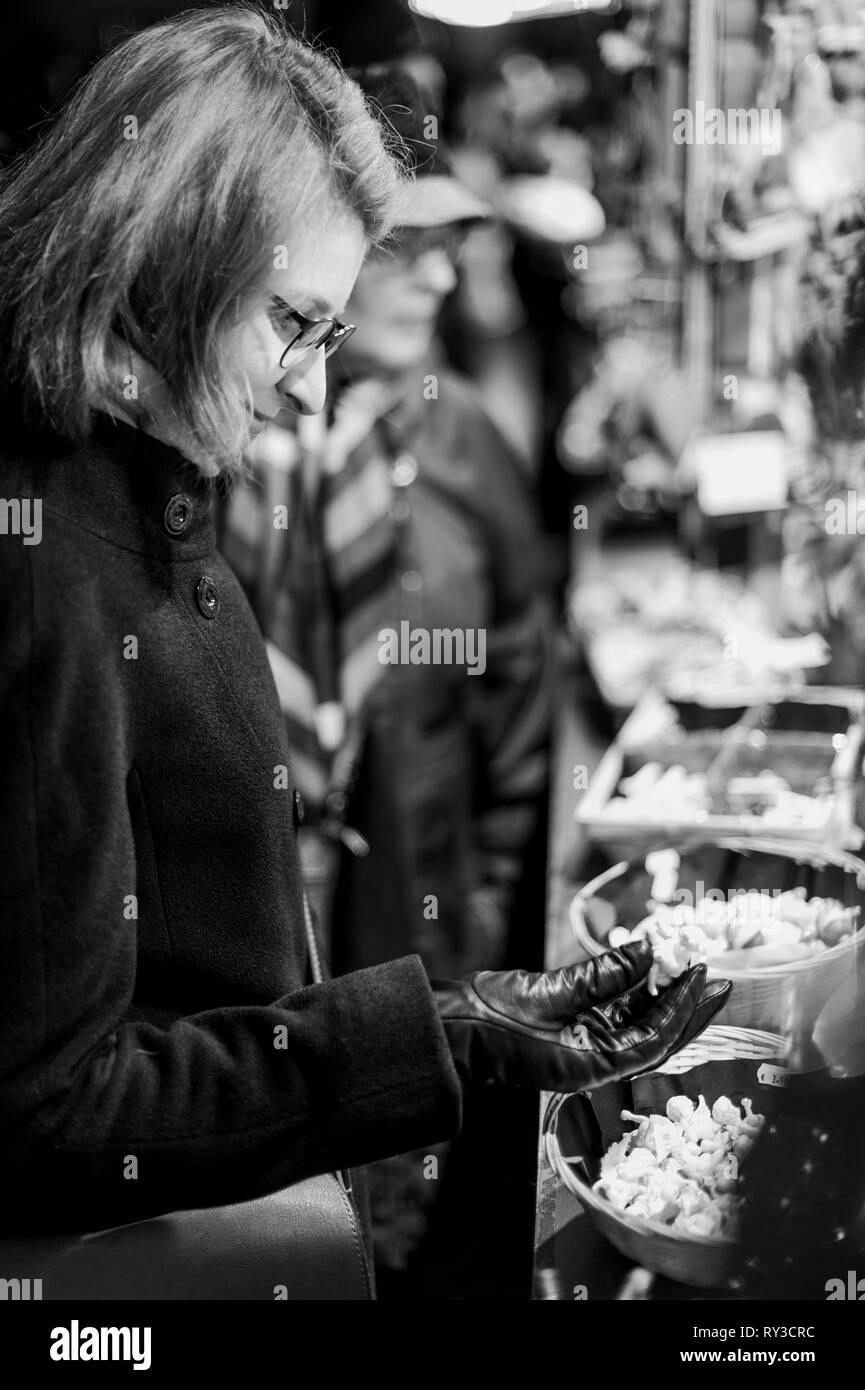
(299, 810)
(178, 514)
(207, 597)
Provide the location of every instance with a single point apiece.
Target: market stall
(708, 744)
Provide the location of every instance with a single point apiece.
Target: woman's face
(313, 272)
(398, 298)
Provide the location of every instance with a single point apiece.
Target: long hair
(157, 201)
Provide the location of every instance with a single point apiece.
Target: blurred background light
(486, 13)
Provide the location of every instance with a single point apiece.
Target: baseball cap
(435, 197)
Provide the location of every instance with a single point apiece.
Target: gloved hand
(573, 1029)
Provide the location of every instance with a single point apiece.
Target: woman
(417, 520)
(212, 187)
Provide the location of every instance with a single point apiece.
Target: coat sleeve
(105, 1120)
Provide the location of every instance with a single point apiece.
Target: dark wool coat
(160, 1045)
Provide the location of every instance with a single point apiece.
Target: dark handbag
(301, 1243)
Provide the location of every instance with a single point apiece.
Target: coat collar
(119, 485)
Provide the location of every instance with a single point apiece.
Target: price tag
(738, 473)
(770, 1075)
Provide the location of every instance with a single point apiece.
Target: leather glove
(573, 1029)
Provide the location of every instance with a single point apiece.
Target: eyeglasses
(410, 244)
(327, 334)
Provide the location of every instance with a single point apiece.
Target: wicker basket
(704, 1261)
(774, 997)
